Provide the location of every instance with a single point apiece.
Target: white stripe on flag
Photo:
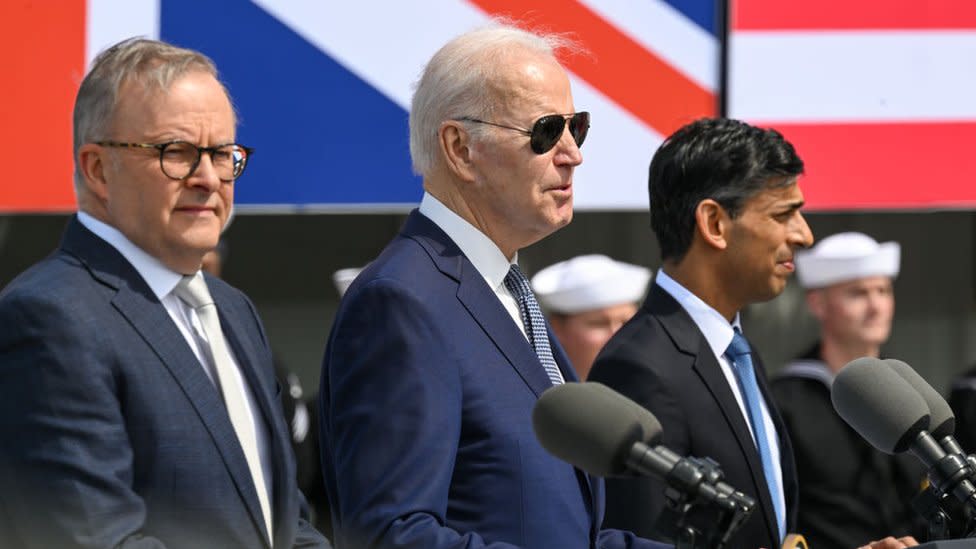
(852, 76)
(386, 44)
(110, 21)
(616, 155)
(665, 31)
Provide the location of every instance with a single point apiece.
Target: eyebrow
(779, 209)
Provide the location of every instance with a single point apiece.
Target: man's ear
(455, 144)
(816, 303)
(713, 223)
(92, 163)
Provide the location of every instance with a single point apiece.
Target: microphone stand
(701, 512)
(949, 517)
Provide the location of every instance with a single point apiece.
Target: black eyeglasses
(546, 131)
(179, 159)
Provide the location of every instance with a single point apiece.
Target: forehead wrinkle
(521, 88)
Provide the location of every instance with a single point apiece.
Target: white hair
(455, 82)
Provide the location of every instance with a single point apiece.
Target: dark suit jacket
(661, 360)
(426, 401)
(113, 434)
(850, 492)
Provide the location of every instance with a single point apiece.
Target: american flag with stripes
(879, 96)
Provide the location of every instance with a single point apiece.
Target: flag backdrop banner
(323, 88)
(878, 96)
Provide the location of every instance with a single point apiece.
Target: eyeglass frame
(161, 147)
(566, 118)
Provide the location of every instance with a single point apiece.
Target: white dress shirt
(486, 257)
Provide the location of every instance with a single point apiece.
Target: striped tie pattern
(534, 322)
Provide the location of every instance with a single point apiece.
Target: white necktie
(193, 291)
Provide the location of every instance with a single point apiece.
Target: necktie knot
(192, 289)
(739, 347)
(517, 283)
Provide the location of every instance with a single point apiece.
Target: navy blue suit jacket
(113, 436)
(426, 401)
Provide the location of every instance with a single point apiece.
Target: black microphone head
(881, 406)
(592, 426)
(942, 422)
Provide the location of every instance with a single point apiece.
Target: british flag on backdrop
(323, 87)
(879, 96)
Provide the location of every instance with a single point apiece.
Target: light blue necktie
(740, 355)
(534, 322)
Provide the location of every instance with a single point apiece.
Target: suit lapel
(590, 485)
(480, 301)
(689, 340)
(135, 301)
(484, 306)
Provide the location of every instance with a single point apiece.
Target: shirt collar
(486, 257)
(160, 278)
(717, 331)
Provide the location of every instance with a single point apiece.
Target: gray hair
(152, 63)
(456, 82)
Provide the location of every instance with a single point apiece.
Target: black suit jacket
(113, 434)
(661, 360)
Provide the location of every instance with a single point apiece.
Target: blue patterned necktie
(534, 322)
(740, 355)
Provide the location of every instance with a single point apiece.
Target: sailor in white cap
(850, 493)
(344, 277)
(588, 298)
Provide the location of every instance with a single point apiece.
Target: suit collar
(716, 329)
(137, 303)
(480, 300)
(160, 278)
(480, 250)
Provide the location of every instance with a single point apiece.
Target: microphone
(604, 433)
(891, 415)
(942, 422)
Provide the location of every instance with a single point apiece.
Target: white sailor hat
(344, 277)
(846, 256)
(589, 282)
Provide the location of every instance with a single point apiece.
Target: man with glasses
(137, 396)
(439, 352)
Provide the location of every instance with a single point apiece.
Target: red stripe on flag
(888, 166)
(821, 15)
(633, 77)
(44, 61)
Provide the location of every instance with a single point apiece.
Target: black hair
(726, 160)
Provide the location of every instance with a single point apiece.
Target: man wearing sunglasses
(438, 351)
(138, 403)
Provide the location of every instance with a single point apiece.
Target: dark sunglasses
(546, 131)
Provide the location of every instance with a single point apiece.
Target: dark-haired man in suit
(725, 207)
